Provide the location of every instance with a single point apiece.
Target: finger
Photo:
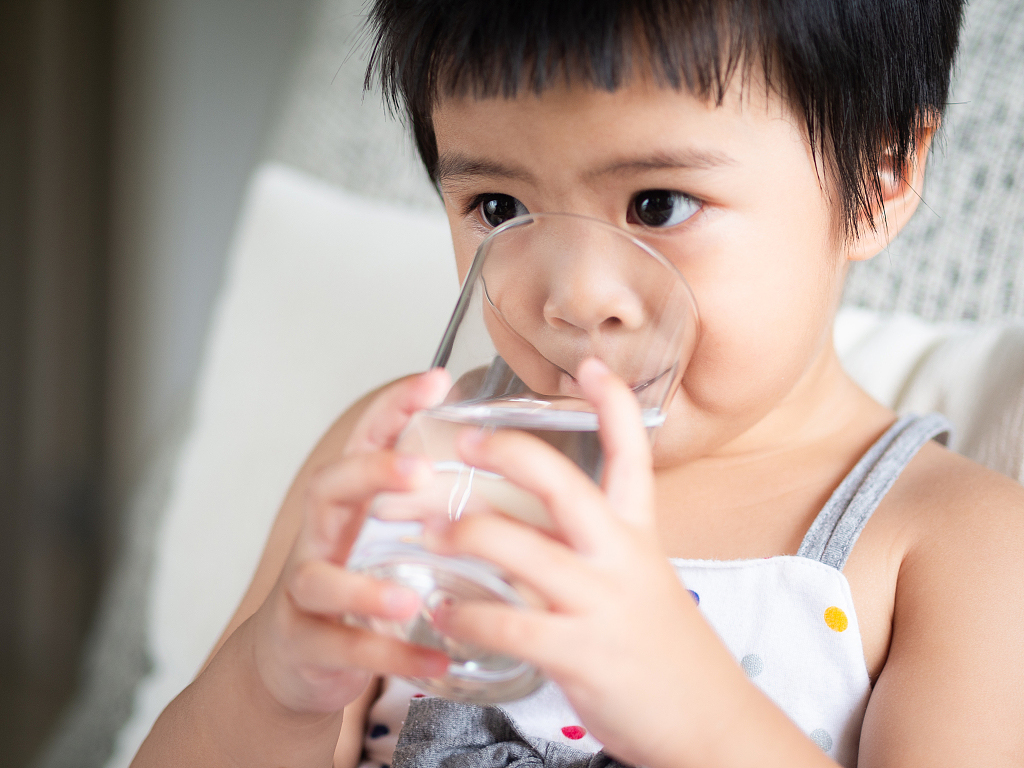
(628, 477)
(576, 505)
(546, 566)
(387, 415)
(326, 644)
(536, 637)
(328, 590)
(338, 495)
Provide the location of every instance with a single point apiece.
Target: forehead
(599, 133)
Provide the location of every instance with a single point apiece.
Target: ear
(901, 194)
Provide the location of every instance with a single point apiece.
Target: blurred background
(128, 129)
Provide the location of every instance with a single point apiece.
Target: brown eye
(662, 208)
(495, 210)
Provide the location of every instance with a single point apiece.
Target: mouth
(636, 388)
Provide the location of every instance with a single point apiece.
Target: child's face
(730, 194)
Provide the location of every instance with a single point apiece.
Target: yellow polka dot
(836, 619)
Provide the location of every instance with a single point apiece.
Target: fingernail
(442, 612)
(437, 390)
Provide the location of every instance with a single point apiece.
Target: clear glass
(544, 293)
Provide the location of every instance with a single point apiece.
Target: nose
(590, 288)
(593, 305)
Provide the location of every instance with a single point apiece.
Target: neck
(824, 403)
(756, 493)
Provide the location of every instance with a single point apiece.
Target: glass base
(475, 675)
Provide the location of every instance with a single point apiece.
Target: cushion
(326, 296)
(972, 373)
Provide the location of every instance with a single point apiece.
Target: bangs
(865, 77)
(470, 48)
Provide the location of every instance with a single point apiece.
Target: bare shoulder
(963, 535)
(957, 508)
(950, 688)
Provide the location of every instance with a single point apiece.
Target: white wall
(197, 83)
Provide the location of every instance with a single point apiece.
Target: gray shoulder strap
(836, 528)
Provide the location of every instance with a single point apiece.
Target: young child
(792, 576)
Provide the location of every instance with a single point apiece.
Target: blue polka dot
(379, 730)
(696, 597)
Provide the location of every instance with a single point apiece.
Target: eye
(495, 210)
(662, 208)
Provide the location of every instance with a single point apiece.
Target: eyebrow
(689, 159)
(456, 166)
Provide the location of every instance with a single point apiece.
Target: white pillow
(326, 296)
(974, 374)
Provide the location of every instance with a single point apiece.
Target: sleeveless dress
(789, 621)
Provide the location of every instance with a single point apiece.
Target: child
(792, 576)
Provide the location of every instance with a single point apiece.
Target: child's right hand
(305, 654)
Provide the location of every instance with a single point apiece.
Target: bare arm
(952, 690)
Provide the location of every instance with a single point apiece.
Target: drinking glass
(544, 293)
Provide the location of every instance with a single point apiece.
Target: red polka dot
(418, 695)
(574, 732)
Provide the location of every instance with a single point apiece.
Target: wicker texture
(962, 255)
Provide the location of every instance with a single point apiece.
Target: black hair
(866, 75)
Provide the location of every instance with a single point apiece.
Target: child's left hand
(622, 636)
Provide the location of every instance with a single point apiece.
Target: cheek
(766, 301)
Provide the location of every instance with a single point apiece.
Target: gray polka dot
(752, 664)
(822, 739)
